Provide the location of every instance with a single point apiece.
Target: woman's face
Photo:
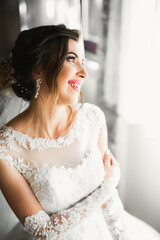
(72, 74)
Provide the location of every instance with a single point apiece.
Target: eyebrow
(74, 54)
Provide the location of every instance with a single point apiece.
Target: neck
(46, 120)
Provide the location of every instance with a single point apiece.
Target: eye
(71, 59)
(83, 64)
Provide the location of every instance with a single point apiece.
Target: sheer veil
(10, 106)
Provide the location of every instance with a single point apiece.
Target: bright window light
(92, 65)
(139, 75)
(23, 8)
(50, 9)
(24, 27)
(73, 16)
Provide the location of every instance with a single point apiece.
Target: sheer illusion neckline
(42, 142)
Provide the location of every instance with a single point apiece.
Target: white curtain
(132, 83)
(132, 68)
(44, 12)
(139, 64)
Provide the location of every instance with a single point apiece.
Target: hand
(112, 169)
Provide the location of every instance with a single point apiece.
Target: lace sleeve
(114, 217)
(41, 226)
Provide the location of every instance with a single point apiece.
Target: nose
(82, 73)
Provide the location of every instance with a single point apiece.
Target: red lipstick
(75, 84)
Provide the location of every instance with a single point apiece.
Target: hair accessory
(38, 84)
(7, 63)
(12, 71)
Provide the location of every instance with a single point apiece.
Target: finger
(107, 161)
(104, 205)
(111, 161)
(108, 152)
(106, 155)
(114, 161)
(104, 159)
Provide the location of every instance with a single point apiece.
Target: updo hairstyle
(43, 49)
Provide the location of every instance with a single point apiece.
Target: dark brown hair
(42, 48)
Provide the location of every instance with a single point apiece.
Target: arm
(114, 216)
(36, 222)
(113, 209)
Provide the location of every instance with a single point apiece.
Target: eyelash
(71, 59)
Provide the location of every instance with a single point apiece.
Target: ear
(36, 75)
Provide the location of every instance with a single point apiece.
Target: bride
(56, 171)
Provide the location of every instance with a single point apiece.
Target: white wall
(139, 158)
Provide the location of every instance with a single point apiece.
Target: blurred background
(122, 43)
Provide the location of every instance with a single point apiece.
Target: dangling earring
(38, 84)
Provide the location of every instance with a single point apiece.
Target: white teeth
(74, 85)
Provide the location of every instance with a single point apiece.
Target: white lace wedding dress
(67, 177)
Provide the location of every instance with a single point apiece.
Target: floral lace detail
(42, 143)
(113, 214)
(41, 226)
(93, 113)
(9, 139)
(18, 163)
(3, 148)
(32, 166)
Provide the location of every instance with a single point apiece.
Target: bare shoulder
(17, 123)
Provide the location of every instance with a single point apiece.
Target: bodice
(58, 188)
(59, 171)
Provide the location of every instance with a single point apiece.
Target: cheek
(68, 70)
(65, 75)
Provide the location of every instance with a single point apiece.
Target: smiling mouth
(74, 84)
